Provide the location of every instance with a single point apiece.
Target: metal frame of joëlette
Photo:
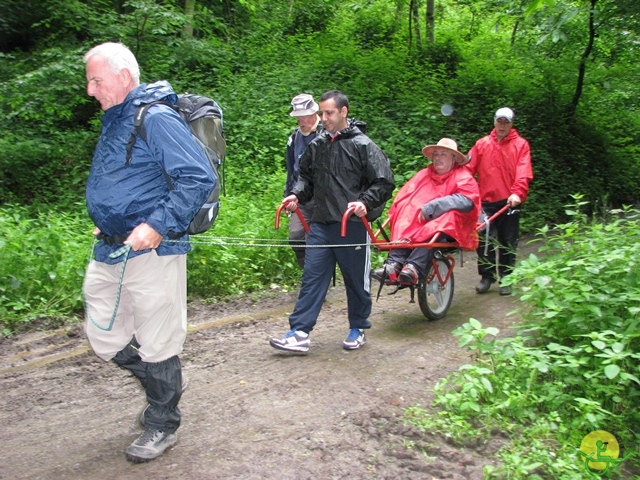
(384, 244)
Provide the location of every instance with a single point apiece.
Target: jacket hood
(143, 93)
(439, 179)
(351, 131)
(513, 133)
(146, 93)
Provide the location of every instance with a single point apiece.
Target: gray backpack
(204, 117)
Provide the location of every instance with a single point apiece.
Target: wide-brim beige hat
(447, 144)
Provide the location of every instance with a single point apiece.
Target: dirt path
(250, 412)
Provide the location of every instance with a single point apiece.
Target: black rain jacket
(346, 168)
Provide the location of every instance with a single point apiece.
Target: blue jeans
(319, 265)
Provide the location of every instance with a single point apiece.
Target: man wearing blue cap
(502, 163)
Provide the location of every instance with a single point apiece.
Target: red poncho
(427, 185)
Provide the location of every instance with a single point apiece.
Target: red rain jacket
(502, 167)
(427, 185)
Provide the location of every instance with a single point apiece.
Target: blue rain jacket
(121, 197)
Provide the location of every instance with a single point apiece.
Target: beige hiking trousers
(152, 306)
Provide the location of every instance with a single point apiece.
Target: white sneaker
(354, 340)
(293, 341)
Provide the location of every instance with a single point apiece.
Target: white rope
(272, 243)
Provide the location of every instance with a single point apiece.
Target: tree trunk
(514, 31)
(416, 24)
(583, 61)
(410, 28)
(189, 8)
(431, 21)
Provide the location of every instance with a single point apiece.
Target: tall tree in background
(431, 22)
(414, 25)
(189, 8)
(582, 67)
(613, 17)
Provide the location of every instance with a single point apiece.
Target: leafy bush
(574, 366)
(43, 259)
(49, 170)
(244, 253)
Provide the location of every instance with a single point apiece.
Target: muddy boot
(162, 416)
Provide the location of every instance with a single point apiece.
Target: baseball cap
(505, 113)
(302, 105)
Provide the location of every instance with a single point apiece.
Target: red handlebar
(298, 212)
(345, 219)
(493, 217)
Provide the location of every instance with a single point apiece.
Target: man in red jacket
(502, 163)
(441, 199)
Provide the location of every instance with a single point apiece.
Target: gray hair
(118, 57)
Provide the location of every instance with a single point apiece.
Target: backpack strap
(138, 126)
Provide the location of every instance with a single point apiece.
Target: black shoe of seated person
(392, 271)
(409, 275)
(484, 285)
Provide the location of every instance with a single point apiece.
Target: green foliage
(47, 170)
(42, 259)
(310, 17)
(263, 258)
(575, 370)
(253, 57)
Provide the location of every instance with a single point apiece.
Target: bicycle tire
(435, 298)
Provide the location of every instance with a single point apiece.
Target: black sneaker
(185, 384)
(505, 290)
(294, 341)
(484, 285)
(150, 445)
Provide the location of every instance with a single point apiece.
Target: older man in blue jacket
(136, 300)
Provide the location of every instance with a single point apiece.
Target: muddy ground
(250, 412)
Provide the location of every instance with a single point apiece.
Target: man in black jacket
(340, 169)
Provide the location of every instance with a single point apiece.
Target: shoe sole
(355, 347)
(298, 350)
(137, 458)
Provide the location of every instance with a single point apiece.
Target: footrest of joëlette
(447, 251)
(450, 252)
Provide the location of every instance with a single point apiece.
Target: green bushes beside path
(42, 260)
(573, 368)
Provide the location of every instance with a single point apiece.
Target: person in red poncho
(502, 163)
(441, 199)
